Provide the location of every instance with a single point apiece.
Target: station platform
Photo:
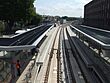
(40, 63)
(20, 48)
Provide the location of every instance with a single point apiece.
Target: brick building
(97, 14)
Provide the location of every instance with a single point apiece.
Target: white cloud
(69, 8)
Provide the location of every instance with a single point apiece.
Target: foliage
(70, 18)
(36, 19)
(20, 11)
(16, 10)
(2, 27)
(64, 17)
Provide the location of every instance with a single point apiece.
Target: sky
(71, 8)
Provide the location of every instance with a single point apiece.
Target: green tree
(36, 19)
(64, 17)
(16, 10)
(2, 27)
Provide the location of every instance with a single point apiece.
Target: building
(97, 14)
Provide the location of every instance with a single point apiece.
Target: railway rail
(57, 55)
(89, 65)
(68, 67)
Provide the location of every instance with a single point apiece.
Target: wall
(97, 14)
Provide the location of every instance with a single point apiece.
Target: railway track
(68, 68)
(53, 66)
(91, 71)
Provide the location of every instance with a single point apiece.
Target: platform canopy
(15, 48)
(101, 37)
(25, 41)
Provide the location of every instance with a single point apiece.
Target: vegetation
(17, 11)
(64, 17)
(70, 18)
(36, 19)
(2, 27)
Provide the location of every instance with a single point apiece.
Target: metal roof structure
(26, 40)
(99, 36)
